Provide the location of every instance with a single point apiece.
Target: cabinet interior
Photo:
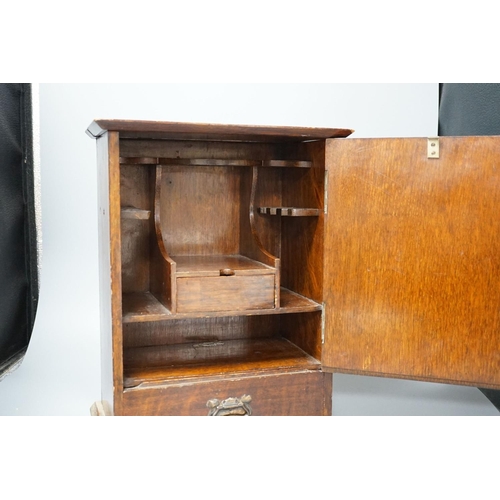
(221, 257)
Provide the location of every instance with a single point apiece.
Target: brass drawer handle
(230, 407)
(227, 272)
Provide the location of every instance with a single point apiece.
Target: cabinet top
(203, 131)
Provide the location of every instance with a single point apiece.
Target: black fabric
(471, 109)
(18, 250)
(493, 396)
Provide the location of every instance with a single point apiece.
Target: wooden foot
(100, 409)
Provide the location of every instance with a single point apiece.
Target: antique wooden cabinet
(241, 266)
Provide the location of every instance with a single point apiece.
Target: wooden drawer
(225, 293)
(306, 393)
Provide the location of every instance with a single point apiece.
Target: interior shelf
(135, 213)
(211, 265)
(145, 307)
(154, 365)
(214, 162)
(290, 211)
(286, 163)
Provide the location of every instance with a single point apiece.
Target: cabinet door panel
(412, 259)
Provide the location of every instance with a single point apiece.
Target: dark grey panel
(18, 249)
(471, 109)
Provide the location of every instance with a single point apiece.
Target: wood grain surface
(154, 365)
(307, 393)
(225, 293)
(138, 150)
(194, 330)
(108, 170)
(207, 131)
(412, 259)
(145, 307)
(212, 162)
(210, 265)
(304, 330)
(200, 210)
(136, 206)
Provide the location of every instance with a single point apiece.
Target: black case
(18, 229)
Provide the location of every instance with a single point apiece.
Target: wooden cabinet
(241, 265)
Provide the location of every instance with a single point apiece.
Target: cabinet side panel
(412, 259)
(267, 229)
(135, 233)
(110, 270)
(304, 330)
(327, 393)
(302, 246)
(302, 237)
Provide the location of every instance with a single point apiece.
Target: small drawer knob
(227, 272)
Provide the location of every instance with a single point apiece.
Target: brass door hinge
(325, 200)
(323, 319)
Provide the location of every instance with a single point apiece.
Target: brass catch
(433, 147)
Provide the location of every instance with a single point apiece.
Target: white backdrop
(61, 372)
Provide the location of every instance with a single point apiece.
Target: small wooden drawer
(225, 293)
(305, 393)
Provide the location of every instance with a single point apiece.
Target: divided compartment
(196, 238)
(226, 356)
(208, 256)
(202, 241)
(153, 365)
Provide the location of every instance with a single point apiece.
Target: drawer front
(225, 293)
(305, 393)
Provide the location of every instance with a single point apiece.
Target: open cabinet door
(412, 259)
